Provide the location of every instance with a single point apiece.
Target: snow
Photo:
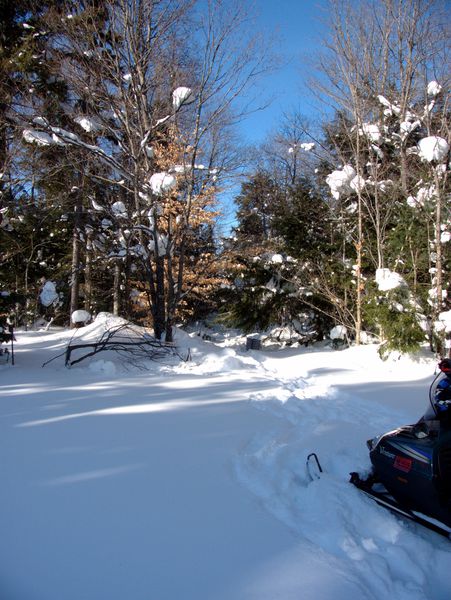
(387, 280)
(390, 108)
(80, 316)
(372, 132)
(339, 181)
(119, 210)
(357, 183)
(179, 96)
(338, 332)
(445, 319)
(434, 88)
(162, 182)
(187, 480)
(407, 127)
(163, 244)
(39, 138)
(433, 148)
(96, 205)
(48, 294)
(89, 124)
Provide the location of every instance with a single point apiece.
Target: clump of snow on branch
(424, 195)
(372, 132)
(306, 146)
(433, 148)
(180, 96)
(39, 138)
(48, 295)
(89, 124)
(339, 181)
(80, 316)
(163, 245)
(387, 280)
(390, 108)
(434, 88)
(119, 210)
(162, 182)
(96, 205)
(357, 183)
(444, 319)
(338, 332)
(407, 127)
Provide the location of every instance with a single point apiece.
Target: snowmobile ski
(381, 496)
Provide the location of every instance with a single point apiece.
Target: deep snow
(187, 480)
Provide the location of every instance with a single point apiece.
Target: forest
(118, 138)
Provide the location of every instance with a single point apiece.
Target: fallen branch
(128, 342)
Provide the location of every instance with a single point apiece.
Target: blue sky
(297, 27)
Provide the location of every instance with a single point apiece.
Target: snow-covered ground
(187, 480)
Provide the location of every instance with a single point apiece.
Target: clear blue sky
(297, 28)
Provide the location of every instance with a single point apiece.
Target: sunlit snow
(434, 88)
(180, 96)
(388, 280)
(433, 148)
(339, 181)
(162, 182)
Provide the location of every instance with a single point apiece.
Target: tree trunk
(117, 289)
(159, 313)
(76, 258)
(88, 273)
(439, 266)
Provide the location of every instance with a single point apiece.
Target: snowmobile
(411, 466)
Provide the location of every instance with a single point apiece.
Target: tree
(27, 82)
(381, 56)
(162, 145)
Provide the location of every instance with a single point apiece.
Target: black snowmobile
(411, 466)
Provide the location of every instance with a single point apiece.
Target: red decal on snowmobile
(403, 464)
